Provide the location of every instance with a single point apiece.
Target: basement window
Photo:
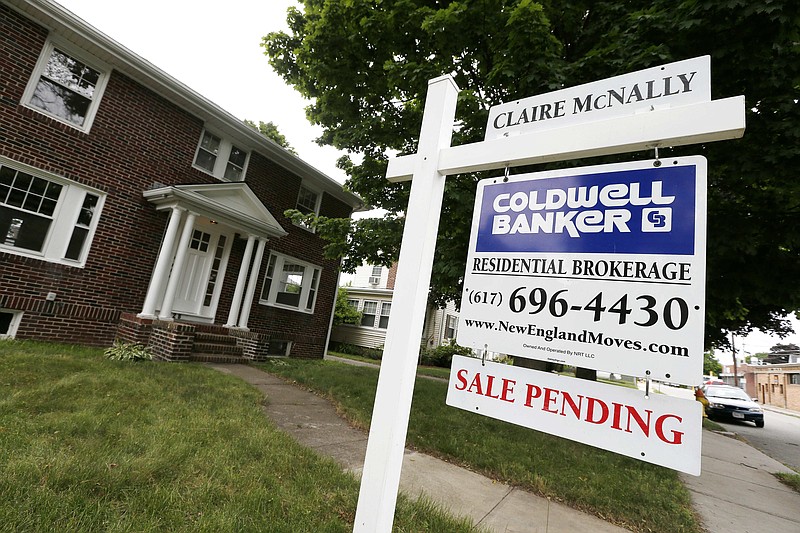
(9, 320)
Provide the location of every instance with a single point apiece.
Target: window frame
(374, 314)
(447, 328)
(306, 288)
(222, 157)
(317, 204)
(16, 318)
(103, 70)
(64, 220)
(383, 317)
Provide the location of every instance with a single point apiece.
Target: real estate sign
(598, 267)
(657, 428)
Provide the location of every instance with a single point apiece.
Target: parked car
(732, 403)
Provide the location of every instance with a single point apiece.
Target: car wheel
(759, 423)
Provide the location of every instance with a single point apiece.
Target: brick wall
(137, 139)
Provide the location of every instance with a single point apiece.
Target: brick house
(132, 207)
(778, 385)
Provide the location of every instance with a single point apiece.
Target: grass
(712, 426)
(792, 480)
(641, 496)
(88, 444)
(422, 370)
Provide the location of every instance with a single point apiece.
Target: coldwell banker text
(636, 210)
(532, 212)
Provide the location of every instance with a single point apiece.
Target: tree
(780, 353)
(270, 131)
(343, 312)
(365, 64)
(711, 366)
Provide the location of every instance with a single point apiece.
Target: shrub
(442, 356)
(122, 351)
(361, 351)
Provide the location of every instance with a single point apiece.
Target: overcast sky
(214, 49)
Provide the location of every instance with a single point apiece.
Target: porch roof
(232, 204)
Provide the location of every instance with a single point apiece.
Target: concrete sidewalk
(735, 493)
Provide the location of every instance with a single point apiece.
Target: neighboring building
(745, 375)
(370, 291)
(778, 385)
(132, 207)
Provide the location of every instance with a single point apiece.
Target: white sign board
(675, 84)
(657, 429)
(598, 267)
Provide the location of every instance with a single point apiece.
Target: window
(307, 203)
(368, 313)
(376, 271)
(290, 283)
(386, 308)
(794, 379)
(279, 348)
(8, 323)
(219, 254)
(450, 327)
(65, 87)
(220, 157)
(45, 216)
(82, 226)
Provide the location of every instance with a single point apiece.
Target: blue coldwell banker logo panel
(638, 211)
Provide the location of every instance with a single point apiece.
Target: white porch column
(177, 268)
(236, 303)
(164, 261)
(251, 285)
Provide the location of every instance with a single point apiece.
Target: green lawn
(422, 370)
(641, 496)
(88, 444)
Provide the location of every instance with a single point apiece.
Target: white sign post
(660, 126)
(380, 478)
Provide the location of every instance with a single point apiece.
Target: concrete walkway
(735, 493)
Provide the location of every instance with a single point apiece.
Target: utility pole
(735, 368)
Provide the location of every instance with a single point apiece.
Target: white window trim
(16, 318)
(221, 163)
(64, 217)
(381, 315)
(306, 287)
(447, 319)
(304, 185)
(375, 316)
(85, 57)
(378, 310)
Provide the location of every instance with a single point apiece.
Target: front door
(201, 279)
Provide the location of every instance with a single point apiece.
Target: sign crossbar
(717, 120)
